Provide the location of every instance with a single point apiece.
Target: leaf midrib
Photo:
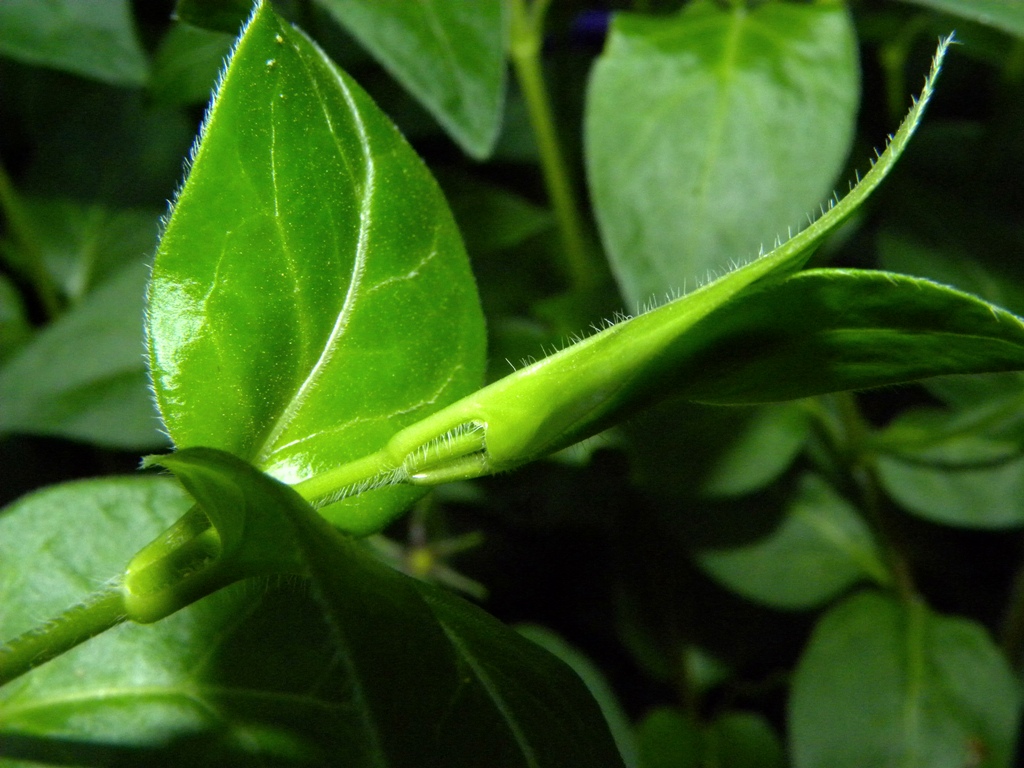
(292, 407)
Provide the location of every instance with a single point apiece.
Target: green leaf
(217, 15)
(237, 679)
(820, 549)
(1007, 15)
(832, 330)
(500, 694)
(669, 739)
(83, 377)
(492, 218)
(96, 39)
(961, 466)
(433, 680)
(971, 495)
(402, 674)
(710, 133)
(82, 245)
(884, 683)
(187, 63)
(762, 450)
(310, 294)
(743, 740)
(248, 537)
(14, 327)
(449, 54)
(618, 722)
(598, 381)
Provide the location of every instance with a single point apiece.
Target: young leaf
(92, 39)
(820, 549)
(310, 294)
(753, 119)
(449, 54)
(884, 683)
(83, 377)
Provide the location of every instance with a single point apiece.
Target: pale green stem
(24, 237)
(101, 611)
(526, 37)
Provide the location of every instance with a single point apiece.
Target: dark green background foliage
(758, 558)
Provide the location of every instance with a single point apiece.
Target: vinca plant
(729, 476)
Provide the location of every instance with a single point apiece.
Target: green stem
(98, 613)
(526, 36)
(24, 237)
(861, 467)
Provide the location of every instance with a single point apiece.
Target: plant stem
(98, 613)
(860, 466)
(24, 237)
(526, 37)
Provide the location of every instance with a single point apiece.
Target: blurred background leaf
(713, 132)
(93, 38)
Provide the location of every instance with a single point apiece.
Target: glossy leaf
(821, 548)
(751, 122)
(312, 263)
(94, 38)
(449, 54)
(885, 683)
(1007, 15)
(243, 678)
(83, 377)
(584, 388)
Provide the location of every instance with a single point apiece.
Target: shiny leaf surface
(449, 54)
(752, 121)
(310, 295)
